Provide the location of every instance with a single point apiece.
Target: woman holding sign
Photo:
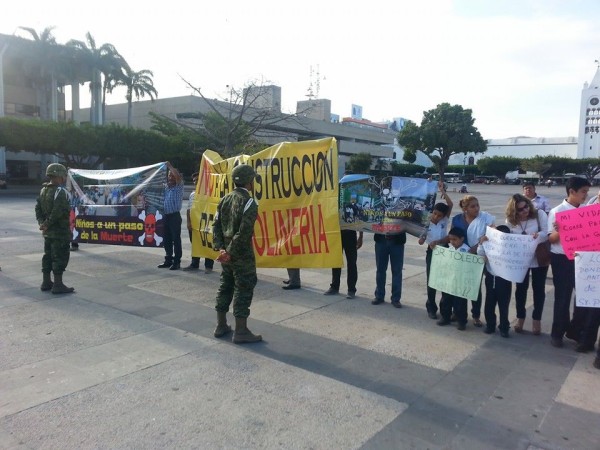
(523, 218)
(473, 222)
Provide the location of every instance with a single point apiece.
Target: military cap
(56, 170)
(243, 174)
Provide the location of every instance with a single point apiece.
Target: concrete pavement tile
(388, 332)
(480, 434)
(253, 402)
(183, 287)
(30, 385)
(273, 311)
(150, 312)
(431, 422)
(35, 331)
(570, 428)
(581, 382)
(391, 438)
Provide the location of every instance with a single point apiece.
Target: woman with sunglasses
(473, 222)
(523, 218)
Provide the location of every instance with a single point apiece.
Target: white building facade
(589, 119)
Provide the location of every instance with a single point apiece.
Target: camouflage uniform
(52, 209)
(232, 231)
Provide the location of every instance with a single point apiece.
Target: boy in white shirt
(436, 234)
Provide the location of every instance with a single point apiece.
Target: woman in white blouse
(523, 218)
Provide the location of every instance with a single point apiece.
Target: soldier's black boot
(47, 282)
(242, 335)
(59, 287)
(222, 327)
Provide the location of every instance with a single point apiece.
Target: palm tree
(102, 60)
(44, 68)
(139, 84)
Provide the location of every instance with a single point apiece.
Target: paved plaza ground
(129, 360)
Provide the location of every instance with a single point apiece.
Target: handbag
(542, 251)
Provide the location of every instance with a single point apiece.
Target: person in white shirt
(563, 269)
(523, 218)
(435, 234)
(539, 201)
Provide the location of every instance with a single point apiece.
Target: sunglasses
(523, 208)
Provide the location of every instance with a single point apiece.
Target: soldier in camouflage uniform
(52, 213)
(232, 238)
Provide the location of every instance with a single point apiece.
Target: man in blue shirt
(172, 219)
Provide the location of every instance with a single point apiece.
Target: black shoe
(453, 318)
(165, 265)
(351, 295)
(597, 362)
(461, 326)
(331, 291)
(489, 330)
(377, 301)
(285, 281)
(443, 322)
(584, 348)
(397, 304)
(175, 266)
(432, 315)
(571, 335)
(556, 342)
(191, 267)
(291, 286)
(504, 333)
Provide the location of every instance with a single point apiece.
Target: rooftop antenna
(318, 82)
(310, 93)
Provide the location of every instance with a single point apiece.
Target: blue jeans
(386, 251)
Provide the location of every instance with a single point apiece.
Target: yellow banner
(296, 189)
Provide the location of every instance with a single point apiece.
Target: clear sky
(519, 65)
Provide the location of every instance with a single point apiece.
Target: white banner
(587, 279)
(509, 255)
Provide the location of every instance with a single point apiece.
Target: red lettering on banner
(288, 224)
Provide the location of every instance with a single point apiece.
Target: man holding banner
(563, 268)
(172, 219)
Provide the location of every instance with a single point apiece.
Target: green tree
(406, 170)
(590, 167)
(360, 163)
(498, 165)
(445, 131)
(536, 164)
(89, 146)
(138, 84)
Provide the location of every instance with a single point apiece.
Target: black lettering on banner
(293, 175)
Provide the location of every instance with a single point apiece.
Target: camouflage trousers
(237, 285)
(56, 255)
